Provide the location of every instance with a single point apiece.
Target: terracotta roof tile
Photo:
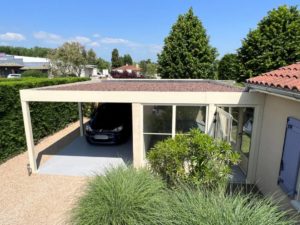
(287, 77)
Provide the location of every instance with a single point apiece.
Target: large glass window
(188, 117)
(151, 139)
(158, 122)
(157, 119)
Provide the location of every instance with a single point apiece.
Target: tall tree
(274, 43)
(230, 68)
(148, 69)
(91, 57)
(127, 59)
(151, 70)
(116, 61)
(187, 52)
(143, 65)
(68, 59)
(102, 64)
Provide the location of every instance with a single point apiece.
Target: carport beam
(29, 135)
(80, 118)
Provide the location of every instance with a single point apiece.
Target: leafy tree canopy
(148, 68)
(187, 52)
(91, 57)
(230, 68)
(70, 58)
(143, 65)
(33, 52)
(116, 61)
(127, 59)
(274, 43)
(102, 64)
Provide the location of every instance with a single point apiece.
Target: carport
(148, 98)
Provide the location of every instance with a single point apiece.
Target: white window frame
(173, 126)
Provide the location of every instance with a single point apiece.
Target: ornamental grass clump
(202, 207)
(136, 197)
(123, 197)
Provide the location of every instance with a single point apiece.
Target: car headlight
(88, 128)
(118, 129)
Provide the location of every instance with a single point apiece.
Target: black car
(111, 124)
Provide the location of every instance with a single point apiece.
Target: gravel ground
(37, 199)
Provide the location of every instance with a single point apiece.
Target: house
(260, 121)
(128, 69)
(34, 63)
(89, 70)
(277, 164)
(9, 64)
(18, 64)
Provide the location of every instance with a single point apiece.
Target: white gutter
(295, 96)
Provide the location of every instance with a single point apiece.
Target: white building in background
(89, 70)
(18, 64)
(27, 59)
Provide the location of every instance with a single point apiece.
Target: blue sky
(137, 27)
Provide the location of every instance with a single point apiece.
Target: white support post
(137, 135)
(209, 128)
(80, 119)
(29, 135)
(173, 121)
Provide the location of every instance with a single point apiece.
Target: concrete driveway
(80, 158)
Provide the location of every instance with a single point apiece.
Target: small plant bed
(137, 197)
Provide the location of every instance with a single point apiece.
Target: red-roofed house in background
(278, 165)
(127, 71)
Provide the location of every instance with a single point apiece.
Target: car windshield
(111, 116)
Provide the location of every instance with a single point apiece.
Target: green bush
(202, 207)
(195, 158)
(122, 197)
(34, 73)
(47, 118)
(136, 197)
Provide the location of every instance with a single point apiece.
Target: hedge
(34, 73)
(47, 118)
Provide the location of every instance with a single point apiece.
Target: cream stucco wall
(276, 112)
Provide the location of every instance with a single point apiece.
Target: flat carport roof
(138, 92)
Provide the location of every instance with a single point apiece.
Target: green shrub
(122, 197)
(47, 118)
(34, 73)
(195, 158)
(200, 207)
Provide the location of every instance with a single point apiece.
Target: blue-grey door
(289, 168)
